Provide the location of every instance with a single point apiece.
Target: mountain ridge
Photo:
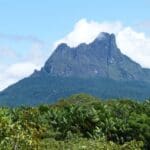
(98, 68)
(100, 58)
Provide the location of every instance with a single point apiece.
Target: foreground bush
(79, 122)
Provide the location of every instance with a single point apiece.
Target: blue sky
(29, 29)
(52, 19)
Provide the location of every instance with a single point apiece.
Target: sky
(31, 29)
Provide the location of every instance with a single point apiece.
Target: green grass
(88, 144)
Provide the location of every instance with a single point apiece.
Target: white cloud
(132, 43)
(13, 64)
(144, 24)
(20, 70)
(23, 67)
(87, 31)
(13, 73)
(135, 45)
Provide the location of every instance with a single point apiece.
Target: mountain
(98, 68)
(101, 58)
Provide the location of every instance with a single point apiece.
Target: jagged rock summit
(101, 58)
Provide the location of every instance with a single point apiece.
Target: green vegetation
(48, 89)
(80, 122)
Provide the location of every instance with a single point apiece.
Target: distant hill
(98, 68)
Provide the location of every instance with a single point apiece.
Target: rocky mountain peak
(62, 46)
(100, 58)
(103, 36)
(106, 38)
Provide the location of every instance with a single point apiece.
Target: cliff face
(101, 58)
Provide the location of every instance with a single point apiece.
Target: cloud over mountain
(132, 43)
